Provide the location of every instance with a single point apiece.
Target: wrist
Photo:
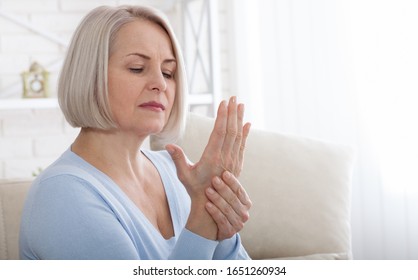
(200, 222)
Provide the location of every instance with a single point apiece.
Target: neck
(115, 153)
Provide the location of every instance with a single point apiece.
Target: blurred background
(343, 71)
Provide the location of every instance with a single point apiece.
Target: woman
(105, 198)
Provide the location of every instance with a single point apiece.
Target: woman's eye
(135, 70)
(167, 75)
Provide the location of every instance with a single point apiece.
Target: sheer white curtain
(344, 71)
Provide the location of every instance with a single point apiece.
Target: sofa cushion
(301, 193)
(300, 189)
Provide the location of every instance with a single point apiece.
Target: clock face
(36, 85)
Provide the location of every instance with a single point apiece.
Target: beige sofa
(300, 190)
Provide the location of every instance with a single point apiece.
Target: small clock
(35, 82)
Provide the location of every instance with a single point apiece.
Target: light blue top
(74, 211)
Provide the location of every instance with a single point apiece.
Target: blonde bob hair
(82, 86)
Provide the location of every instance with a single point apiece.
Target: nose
(157, 81)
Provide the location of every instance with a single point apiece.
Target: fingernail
(227, 174)
(217, 180)
(233, 99)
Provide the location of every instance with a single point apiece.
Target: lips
(155, 106)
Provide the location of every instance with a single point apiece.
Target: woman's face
(141, 81)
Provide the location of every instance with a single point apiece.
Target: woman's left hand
(228, 205)
(224, 151)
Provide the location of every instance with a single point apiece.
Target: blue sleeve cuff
(191, 246)
(231, 249)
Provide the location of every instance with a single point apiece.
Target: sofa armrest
(12, 196)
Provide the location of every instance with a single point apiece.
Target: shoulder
(53, 190)
(63, 177)
(66, 188)
(68, 167)
(59, 192)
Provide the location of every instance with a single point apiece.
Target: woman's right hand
(228, 204)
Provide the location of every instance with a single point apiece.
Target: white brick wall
(30, 6)
(31, 139)
(15, 147)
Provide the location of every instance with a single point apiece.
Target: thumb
(179, 159)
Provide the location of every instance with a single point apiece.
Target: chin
(151, 129)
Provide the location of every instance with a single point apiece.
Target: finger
(179, 159)
(228, 195)
(236, 150)
(225, 229)
(232, 183)
(245, 133)
(217, 136)
(226, 208)
(225, 198)
(231, 134)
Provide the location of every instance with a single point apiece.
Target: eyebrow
(169, 60)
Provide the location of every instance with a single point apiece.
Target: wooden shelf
(41, 103)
